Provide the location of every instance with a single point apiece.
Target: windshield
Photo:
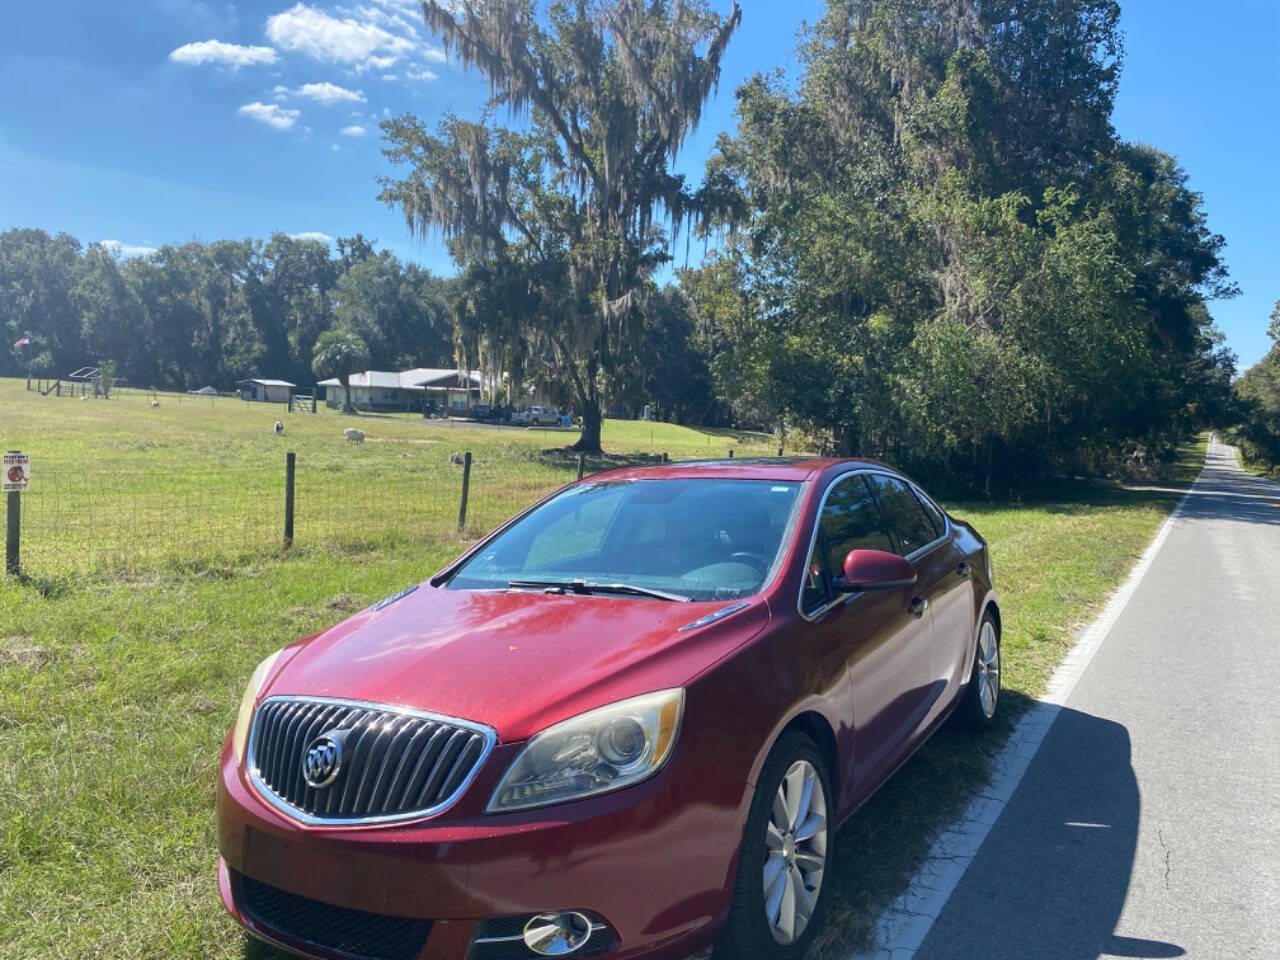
(706, 539)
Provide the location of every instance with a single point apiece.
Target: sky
(144, 122)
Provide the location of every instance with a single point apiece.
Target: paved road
(1148, 824)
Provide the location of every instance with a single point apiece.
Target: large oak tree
(585, 193)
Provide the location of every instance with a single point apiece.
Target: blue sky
(124, 122)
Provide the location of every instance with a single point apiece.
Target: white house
(265, 391)
(407, 390)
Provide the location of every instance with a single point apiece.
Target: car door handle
(962, 568)
(918, 606)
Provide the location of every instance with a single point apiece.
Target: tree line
(208, 314)
(1258, 395)
(929, 246)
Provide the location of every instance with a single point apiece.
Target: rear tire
(981, 697)
(779, 893)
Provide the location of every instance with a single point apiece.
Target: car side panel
(890, 660)
(950, 595)
(792, 668)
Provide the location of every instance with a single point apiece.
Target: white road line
(902, 928)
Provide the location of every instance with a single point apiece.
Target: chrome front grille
(395, 763)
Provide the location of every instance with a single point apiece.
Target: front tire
(981, 698)
(778, 893)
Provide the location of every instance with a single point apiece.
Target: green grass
(118, 681)
(117, 484)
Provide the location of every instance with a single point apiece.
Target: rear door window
(911, 526)
(934, 514)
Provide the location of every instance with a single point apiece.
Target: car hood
(517, 661)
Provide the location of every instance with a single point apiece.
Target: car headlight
(240, 733)
(602, 750)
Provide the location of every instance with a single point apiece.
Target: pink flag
(24, 342)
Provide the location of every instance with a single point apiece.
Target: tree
(340, 353)
(107, 370)
(400, 312)
(947, 258)
(38, 273)
(113, 322)
(1258, 396)
(612, 89)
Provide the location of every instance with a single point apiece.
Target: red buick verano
(628, 722)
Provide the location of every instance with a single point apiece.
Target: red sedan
(628, 722)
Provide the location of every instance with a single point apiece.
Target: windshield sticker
(388, 601)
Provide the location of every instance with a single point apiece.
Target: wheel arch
(993, 607)
(818, 729)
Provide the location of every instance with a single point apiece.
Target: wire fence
(148, 481)
(91, 516)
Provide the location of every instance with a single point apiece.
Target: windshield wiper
(588, 586)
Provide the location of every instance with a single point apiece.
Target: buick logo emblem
(322, 760)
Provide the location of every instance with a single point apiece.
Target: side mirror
(875, 570)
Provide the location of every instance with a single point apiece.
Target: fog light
(556, 934)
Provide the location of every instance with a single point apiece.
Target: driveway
(1148, 823)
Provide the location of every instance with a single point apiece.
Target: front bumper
(654, 861)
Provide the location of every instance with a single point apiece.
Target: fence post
(466, 486)
(731, 453)
(779, 450)
(582, 465)
(665, 458)
(290, 462)
(13, 528)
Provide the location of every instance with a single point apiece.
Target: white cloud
(271, 114)
(329, 93)
(334, 147)
(312, 235)
(355, 130)
(423, 74)
(227, 54)
(279, 91)
(404, 18)
(363, 44)
(127, 249)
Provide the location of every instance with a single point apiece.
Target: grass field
(199, 481)
(118, 682)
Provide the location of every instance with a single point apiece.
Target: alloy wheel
(795, 852)
(988, 669)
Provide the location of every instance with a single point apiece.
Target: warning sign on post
(16, 473)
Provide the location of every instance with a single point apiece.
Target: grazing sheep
(154, 403)
(455, 459)
(354, 435)
(279, 428)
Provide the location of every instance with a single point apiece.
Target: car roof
(796, 469)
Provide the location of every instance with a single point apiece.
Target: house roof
(417, 379)
(267, 383)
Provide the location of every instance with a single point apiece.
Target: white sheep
(154, 403)
(354, 435)
(279, 428)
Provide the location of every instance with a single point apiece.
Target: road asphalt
(1148, 823)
